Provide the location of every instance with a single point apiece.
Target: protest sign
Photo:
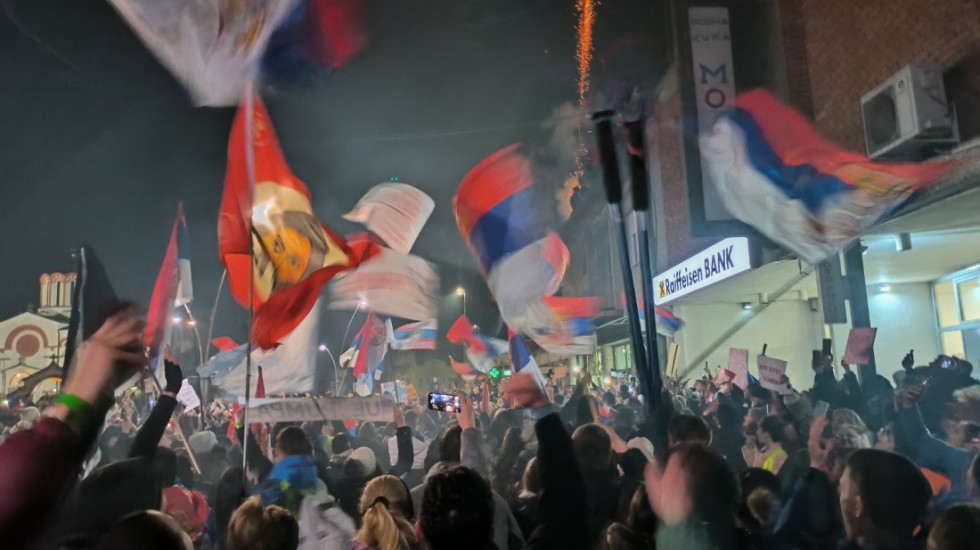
(188, 397)
(371, 409)
(771, 372)
(723, 376)
(860, 343)
(673, 352)
(738, 363)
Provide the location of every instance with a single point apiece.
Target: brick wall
(853, 45)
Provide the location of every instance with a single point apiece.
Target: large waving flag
(499, 220)
(465, 371)
(395, 284)
(667, 323)
(522, 361)
(289, 368)
(421, 335)
(395, 212)
(294, 252)
(170, 289)
(481, 351)
(774, 172)
(93, 300)
(564, 326)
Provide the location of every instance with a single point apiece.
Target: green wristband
(82, 415)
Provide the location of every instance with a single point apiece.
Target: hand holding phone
(820, 409)
(445, 402)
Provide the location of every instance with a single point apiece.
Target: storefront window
(969, 298)
(622, 360)
(957, 299)
(946, 304)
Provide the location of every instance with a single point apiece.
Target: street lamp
(461, 292)
(336, 371)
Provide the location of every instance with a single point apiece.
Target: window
(957, 299)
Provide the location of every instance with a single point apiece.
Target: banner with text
(771, 374)
(714, 264)
(371, 409)
(738, 362)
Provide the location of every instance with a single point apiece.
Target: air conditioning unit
(908, 116)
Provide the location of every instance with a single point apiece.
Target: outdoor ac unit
(908, 116)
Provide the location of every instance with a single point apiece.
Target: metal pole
(214, 308)
(180, 431)
(860, 314)
(614, 194)
(250, 169)
(641, 202)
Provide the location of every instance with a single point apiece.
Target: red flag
(164, 293)
(260, 386)
(294, 252)
(224, 343)
(462, 333)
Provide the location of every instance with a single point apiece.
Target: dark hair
(229, 493)
(185, 473)
(775, 427)
(894, 490)
(449, 444)
(687, 428)
(411, 419)
(292, 441)
(457, 510)
(958, 528)
(145, 530)
(971, 431)
(728, 418)
(165, 466)
(367, 432)
(340, 443)
(757, 391)
(642, 520)
(713, 489)
(592, 447)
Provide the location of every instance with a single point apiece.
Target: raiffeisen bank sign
(712, 265)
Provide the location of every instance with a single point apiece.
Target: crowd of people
(848, 463)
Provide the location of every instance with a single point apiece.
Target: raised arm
(406, 450)
(148, 437)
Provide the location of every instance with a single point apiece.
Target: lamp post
(461, 292)
(336, 371)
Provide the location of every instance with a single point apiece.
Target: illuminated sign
(712, 265)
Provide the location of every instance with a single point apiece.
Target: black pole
(641, 203)
(614, 195)
(860, 314)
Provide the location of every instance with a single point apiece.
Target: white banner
(392, 283)
(188, 397)
(395, 212)
(714, 85)
(714, 264)
(771, 372)
(371, 409)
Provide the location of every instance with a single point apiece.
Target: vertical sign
(714, 85)
(832, 292)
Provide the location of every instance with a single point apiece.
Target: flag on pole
(481, 351)
(395, 284)
(498, 218)
(224, 343)
(94, 298)
(522, 361)
(776, 173)
(185, 286)
(167, 291)
(395, 212)
(466, 371)
(295, 253)
(564, 326)
(367, 352)
(667, 323)
(420, 335)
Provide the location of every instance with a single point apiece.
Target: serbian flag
(522, 361)
(367, 353)
(167, 292)
(481, 351)
(667, 324)
(500, 221)
(421, 335)
(774, 172)
(294, 252)
(466, 371)
(564, 326)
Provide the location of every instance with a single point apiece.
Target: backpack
(322, 524)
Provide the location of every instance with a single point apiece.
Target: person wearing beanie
(359, 468)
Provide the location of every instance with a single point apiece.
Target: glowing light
(565, 194)
(607, 381)
(364, 303)
(586, 20)
(323, 347)
(746, 305)
(885, 288)
(176, 320)
(192, 323)
(460, 291)
(576, 369)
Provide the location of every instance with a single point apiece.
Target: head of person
(385, 508)
(146, 530)
(253, 527)
(958, 528)
(367, 432)
(340, 443)
(751, 421)
(291, 441)
(772, 430)
(450, 443)
(758, 396)
(883, 497)
(229, 493)
(412, 419)
(457, 510)
(531, 481)
(641, 518)
(592, 447)
(688, 428)
(964, 435)
(362, 463)
(847, 417)
(727, 418)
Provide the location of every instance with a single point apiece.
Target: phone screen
(445, 402)
(826, 346)
(820, 409)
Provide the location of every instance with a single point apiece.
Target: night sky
(98, 142)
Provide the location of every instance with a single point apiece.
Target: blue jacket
(935, 454)
(290, 480)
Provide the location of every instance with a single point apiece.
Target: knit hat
(361, 462)
(203, 442)
(189, 508)
(30, 414)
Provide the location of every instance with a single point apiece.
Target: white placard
(188, 397)
(771, 372)
(371, 409)
(714, 264)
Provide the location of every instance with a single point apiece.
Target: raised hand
(175, 377)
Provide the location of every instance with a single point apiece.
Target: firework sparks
(586, 20)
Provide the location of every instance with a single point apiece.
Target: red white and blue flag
(564, 326)
(171, 289)
(667, 324)
(775, 172)
(367, 353)
(420, 335)
(499, 219)
(521, 360)
(481, 351)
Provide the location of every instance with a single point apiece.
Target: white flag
(395, 212)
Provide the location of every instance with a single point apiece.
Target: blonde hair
(384, 504)
(253, 527)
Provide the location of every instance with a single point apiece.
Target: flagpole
(180, 430)
(614, 194)
(214, 309)
(250, 170)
